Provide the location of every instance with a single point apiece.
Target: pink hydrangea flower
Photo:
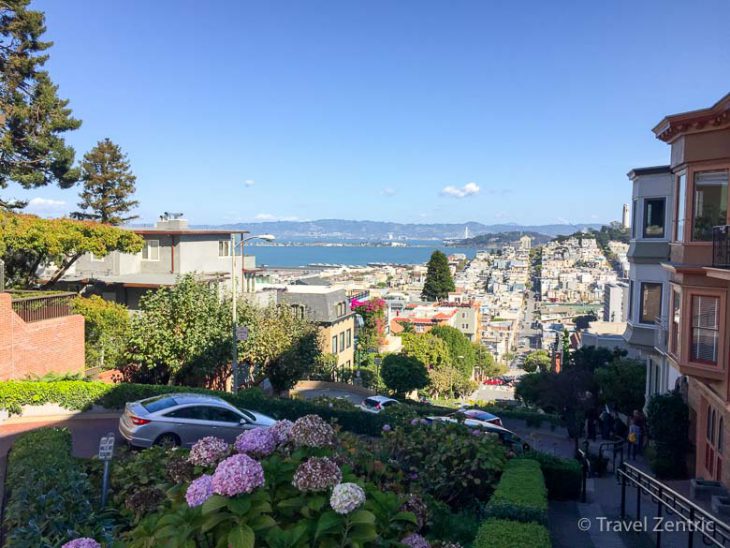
(415, 541)
(208, 451)
(312, 431)
(83, 542)
(199, 490)
(347, 497)
(259, 442)
(317, 474)
(282, 431)
(386, 428)
(237, 474)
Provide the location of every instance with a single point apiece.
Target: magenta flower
(199, 490)
(317, 474)
(282, 431)
(237, 474)
(83, 542)
(312, 431)
(259, 442)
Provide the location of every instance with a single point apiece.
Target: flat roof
(654, 170)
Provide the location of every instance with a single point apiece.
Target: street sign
(242, 333)
(106, 447)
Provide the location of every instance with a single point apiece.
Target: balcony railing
(661, 334)
(43, 306)
(721, 246)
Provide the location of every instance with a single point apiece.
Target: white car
(375, 404)
(507, 437)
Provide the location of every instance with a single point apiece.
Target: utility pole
(234, 298)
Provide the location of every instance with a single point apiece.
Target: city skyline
(412, 113)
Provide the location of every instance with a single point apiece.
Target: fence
(695, 521)
(721, 246)
(35, 308)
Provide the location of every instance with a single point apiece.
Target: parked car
(477, 415)
(493, 381)
(508, 438)
(182, 419)
(375, 404)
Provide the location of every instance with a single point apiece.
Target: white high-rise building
(626, 216)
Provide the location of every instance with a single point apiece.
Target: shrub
(502, 533)
(668, 423)
(49, 498)
(562, 476)
(403, 374)
(520, 494)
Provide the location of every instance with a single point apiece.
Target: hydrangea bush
(208, 451)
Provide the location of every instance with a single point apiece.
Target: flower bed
(503, 533)
(82, 395)
(520, 494)
(45, 481)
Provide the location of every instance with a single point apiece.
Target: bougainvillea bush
(294, 485)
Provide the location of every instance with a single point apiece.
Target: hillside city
(284, 382)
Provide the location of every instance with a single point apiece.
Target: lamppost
(234, 293)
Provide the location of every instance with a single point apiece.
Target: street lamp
(234, 277)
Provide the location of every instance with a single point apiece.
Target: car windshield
(370, 403)
(158, 403)
(480, 415)
(249, 416)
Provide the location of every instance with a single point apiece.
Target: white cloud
(270, 217)
(468, 189)
(249, 182)
(388, 191)
(46, 206)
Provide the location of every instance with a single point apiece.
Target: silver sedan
(182, 419)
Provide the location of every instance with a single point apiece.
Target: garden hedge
(48, 496)
(562, 476)
(520, 493)
(82, 395)
(503, 533)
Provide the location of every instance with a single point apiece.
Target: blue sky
(408, 110)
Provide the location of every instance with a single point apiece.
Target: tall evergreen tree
(108, 185)
(438, 278)
(32, 116)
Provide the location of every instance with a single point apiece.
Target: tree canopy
(106, 331)
(539, 360)
(430, 350)
(438, 282)
(108, 185)
(622, 383)
(461, 350)
(28, 242)
(403, 374)
(33, 118)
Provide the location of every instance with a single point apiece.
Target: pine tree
(108, 185)
(438, 278)
(32, 116)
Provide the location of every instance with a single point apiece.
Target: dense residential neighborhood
(180, 369)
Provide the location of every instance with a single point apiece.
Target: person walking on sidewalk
(634, 439)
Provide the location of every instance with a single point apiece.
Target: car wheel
(168, 440)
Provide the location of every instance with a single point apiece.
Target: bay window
(653, 225)
(650, 304)
(681, 212)
(675, 319)
(709, 203)
(705, 335)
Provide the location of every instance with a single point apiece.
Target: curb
(76, 416)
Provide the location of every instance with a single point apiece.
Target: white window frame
(227, 247)
(147, 247)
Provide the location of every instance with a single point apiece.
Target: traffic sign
(242, 333)
(106, 447)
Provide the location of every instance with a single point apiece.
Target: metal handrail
(713, 531)
(42, 307)
(721, 246)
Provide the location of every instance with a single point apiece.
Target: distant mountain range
(376, 230)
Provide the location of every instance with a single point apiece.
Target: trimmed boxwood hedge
(520, 494)
(48, 496)
(562, 476)
(503, 533)
(82, 395)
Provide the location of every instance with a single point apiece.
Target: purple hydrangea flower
(259, 442)
(199, 490)
(415, 541)
(317, 474)
(282, 431)
(346, 497)
(415, 422)
(83, 542)
(386, 428)
(237, 474)
(208, 451)
(312, 431)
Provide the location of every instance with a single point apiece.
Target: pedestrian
(605, 420)
(634, 439)
(640, 420)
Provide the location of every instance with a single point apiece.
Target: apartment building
(615, 302)
(698, 316)
(328, 307)
(462, 315)
(171, 249)
(652, 218)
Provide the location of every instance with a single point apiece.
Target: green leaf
(262, 522)
(213, 520)
(327, 521)
(362, 517)
(241, 537)
(410, 517)
(239, 506)
(216, 502)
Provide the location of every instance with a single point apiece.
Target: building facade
(615, 302)
(699, 276)
(649, 289)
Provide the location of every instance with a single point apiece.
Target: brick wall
(38, 348)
